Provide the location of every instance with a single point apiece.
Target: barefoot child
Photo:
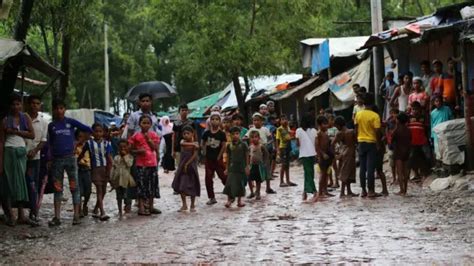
(84, 171)
(214, 144)
(390, 127)
(145, 145)
(186, 180)
(347, 140)
(283, 139)
(258, 155)
(121, 178)
(332, 132)
(237, 169)
(305, 140)
(401, 140)
(100, 152)
(324, 153)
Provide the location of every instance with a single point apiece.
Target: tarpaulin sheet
(320, 60)
(451, 138)
(341, 85)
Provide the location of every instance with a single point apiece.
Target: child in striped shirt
(100, 152)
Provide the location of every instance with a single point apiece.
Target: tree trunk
(240, 98)
(10, 71)
(65, 60)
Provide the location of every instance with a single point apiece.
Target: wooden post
(468, 110)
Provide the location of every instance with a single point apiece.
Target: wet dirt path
(278, 229)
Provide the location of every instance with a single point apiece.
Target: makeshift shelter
(340, 86)
(259, 86)
(199, 107)
(19, 54)
(91, 116)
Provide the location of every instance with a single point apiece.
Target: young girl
(100, 151)
(145, 145)
(121, 178)
(258, 157)
(401, 140)
(237, 168)
(167, 131)
(347, 139)
(306, 137)
(186, 180)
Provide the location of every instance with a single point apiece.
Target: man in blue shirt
(61, 143)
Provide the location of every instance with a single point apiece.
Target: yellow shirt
(367, 122)
(86, 160)
(283, 136)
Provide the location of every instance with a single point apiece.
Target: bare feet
(329, 194)
(193, 209)
(183, 209)
(352, 194)
(363, 194)
(240, 205)
(315, 198)
(374, 195)
(385, 193)
(227, 205)
(305, 196)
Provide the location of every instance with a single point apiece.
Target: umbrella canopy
(157, 89)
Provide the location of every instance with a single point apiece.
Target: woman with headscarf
(167, 133)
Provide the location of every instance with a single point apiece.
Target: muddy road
(277, 229)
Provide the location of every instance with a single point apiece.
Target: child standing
(61, 145)
(237, 122)
(391, 124)
(237, 169)
(145, 145)
(84, 171)
(101, 163)
(186, 180)
(214, 143)
(332, 131)
(347, 140)
(283, 139)
(441, 113)
(420, 151)
(258, 157)
(325, 155)
(265, 135)
(401, 140)
(121, 178)
(305, 140)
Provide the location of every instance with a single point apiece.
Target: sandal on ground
(270, 191)
(155, 211)
(54, 222)
(291, 184)
(227, 205)
(104, 217)
(76, 221)
(240, 205)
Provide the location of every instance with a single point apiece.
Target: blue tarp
(106, 118)
(320, 60)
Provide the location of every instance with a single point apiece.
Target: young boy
(332, 131)
(61, 143)
(265, 134)
(101, 163)
(419, 155)
(237, 122)
(283, 138)
(84, 171)
(258, 168)
(214, 143)
(324, 153)
(391, 124)
(440, 114)
(347, 140)
(401, 140)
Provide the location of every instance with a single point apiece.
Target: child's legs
(71, 170)
(401, 174)
(220, 171)
(193, 202)
(258, 185)
(407, 175)
(85, 185)
(183, 200)
(57, 170)
(308, 168)
(210, 169)
(251, 186)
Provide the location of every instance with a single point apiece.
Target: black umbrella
(157, 89)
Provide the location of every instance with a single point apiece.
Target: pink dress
(420, 97)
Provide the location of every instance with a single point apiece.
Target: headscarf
(166, 125)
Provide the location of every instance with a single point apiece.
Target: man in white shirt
(34, 146)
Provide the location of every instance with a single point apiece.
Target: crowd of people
(37, 154)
